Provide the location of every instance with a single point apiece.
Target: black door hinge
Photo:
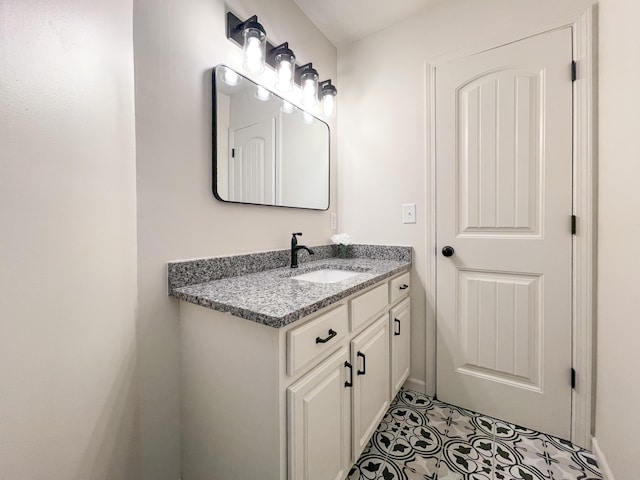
(574, 221)
(233, 153)
(573, 378)
(574, 70)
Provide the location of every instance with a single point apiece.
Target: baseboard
(415, 384)
(602, 461)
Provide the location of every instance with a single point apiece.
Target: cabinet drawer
(399, 287)
(364, 307)
(312, 341)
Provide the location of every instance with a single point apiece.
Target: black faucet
(295, 247)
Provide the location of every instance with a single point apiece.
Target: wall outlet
(334, 221)
(408, 213)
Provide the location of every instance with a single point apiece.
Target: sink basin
(326, 276)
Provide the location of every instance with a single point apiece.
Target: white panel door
(252, 156)
(504, 205)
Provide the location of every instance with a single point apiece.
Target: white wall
(176, 45)
(618, 380)
(67, 240)
(382, 125)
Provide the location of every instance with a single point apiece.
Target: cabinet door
(318, 421)
(400, 322)
(371, 392)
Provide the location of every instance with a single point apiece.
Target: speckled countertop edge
(272, 298)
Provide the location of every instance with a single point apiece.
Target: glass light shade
(253, 49)
(309, 86)
(285, 65)
(328, 95)
(284, 71)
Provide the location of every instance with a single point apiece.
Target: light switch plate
(408, 213)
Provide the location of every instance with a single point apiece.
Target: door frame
(584, 208)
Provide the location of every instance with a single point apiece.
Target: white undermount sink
(326, 275)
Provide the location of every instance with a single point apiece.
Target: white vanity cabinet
(293, 403)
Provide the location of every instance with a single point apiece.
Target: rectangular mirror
(266, 151)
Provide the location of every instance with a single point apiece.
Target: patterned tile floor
(422, 438)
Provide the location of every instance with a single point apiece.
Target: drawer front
(399, 287)
(313, 341)
(364, 307)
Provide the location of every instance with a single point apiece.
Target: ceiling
(345, 21)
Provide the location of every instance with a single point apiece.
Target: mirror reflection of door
(252, 163)
(263, 133)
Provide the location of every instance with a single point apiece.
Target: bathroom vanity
(286, 378)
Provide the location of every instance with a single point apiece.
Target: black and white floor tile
(423, 439)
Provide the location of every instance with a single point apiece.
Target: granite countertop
(273, 298)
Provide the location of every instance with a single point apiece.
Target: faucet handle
(299, 234)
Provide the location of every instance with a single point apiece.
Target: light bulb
(309, 92)
(254, 56)
(285, 76)
(253, 49)
(328, 105)
(262, 93)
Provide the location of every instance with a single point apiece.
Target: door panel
(498, 165)
(504, 203)
(400, 325)
(371, 384)
(499, 327)
(252, 163)
(319, 422)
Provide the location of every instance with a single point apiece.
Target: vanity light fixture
(328, 94)
(308, 80)
(284, 61)
(251, 36)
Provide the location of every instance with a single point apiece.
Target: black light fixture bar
(234, 27)
(234, 33)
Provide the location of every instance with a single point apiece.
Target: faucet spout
(295, 248)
